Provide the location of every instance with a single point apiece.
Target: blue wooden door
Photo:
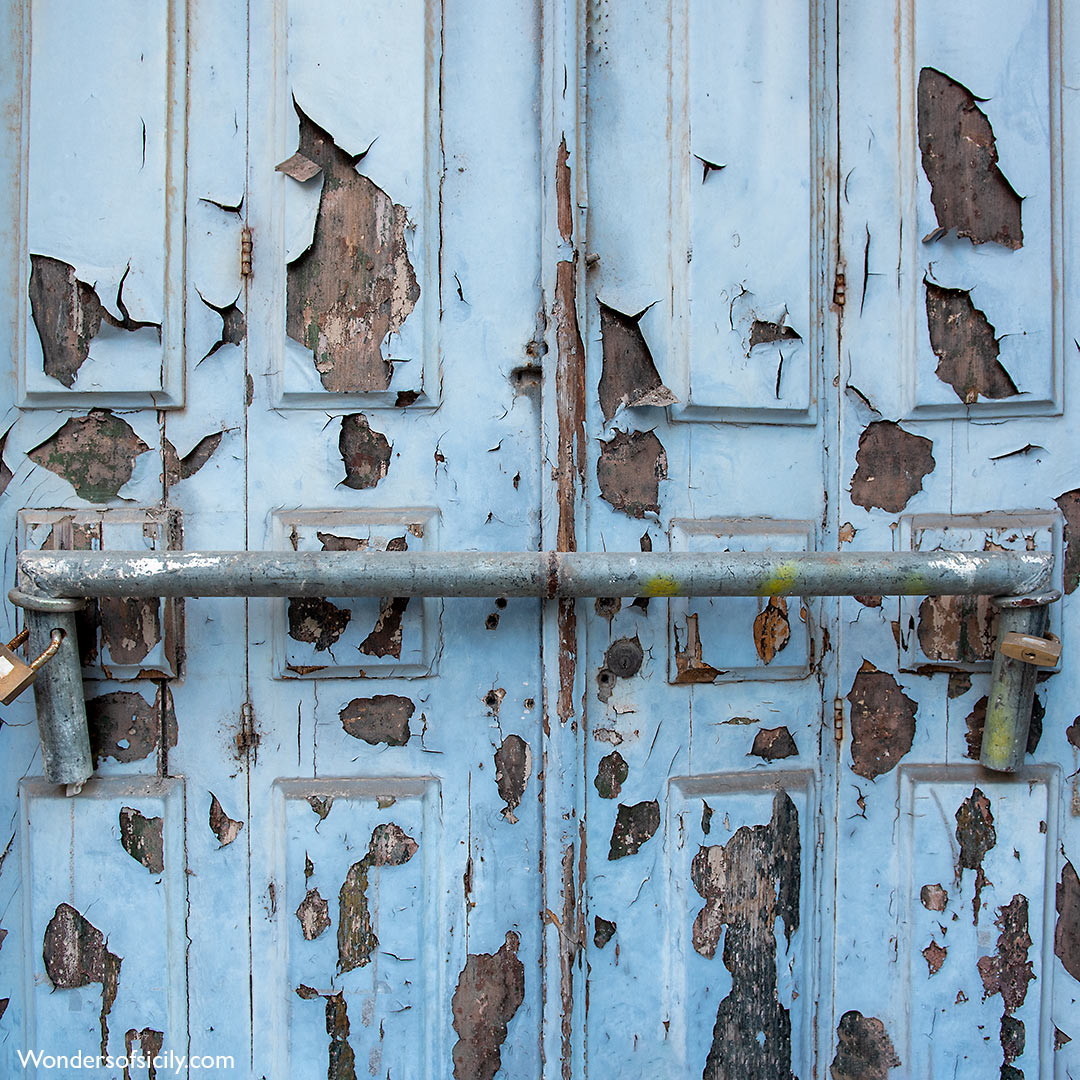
(425, 276)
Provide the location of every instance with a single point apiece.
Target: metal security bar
(52, 584)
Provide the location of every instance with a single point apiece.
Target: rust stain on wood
(489, 992)
(513, 766)
(772, 744)
(629, 471)
(380, 719)
(364, 452)
(966, 347)
(611, 774)
(747, 884)
(976, 835)
(960, 159)
(882, 722)
(634, 826)
(772, 631)
(390, 845)
(76, 954)
(891, 464)
(1067, 931)
(68, 315)
(225, 828)
(313, 914)
(143, 839)
(355, 285)
(629, 376)
(94, 453)
(864, 1050)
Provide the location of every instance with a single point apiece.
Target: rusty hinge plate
(246, 246)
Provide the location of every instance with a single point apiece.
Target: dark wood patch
(934, 955)
(959, 156)
(603, 931)
(631, 466)
(385, 638)
(355, 284)
(364, 452)
(629, 377)
(1069, 505)
(771, 744)
(957, 629)
(143, 839)
(976, 835)
(126, 727)
(313, 914)
(934, 897)
(225, 828)
(611, 774)
(864, 1050)
(1067, 931)
(315, 620)
(182, 468)
(891, 464)
(513, 764)
(772, 631)
(380, 719)
(689, 665)
(882, 722)
(634, 825)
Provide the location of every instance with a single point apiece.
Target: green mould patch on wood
(143, 839)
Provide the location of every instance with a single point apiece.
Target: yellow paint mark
(782, 582)
(662, 585)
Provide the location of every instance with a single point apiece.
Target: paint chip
(934, 955)
(225, 828)
(891, 464)
(882, 722)
(634, 826)
(354, 286)
(489, 992)
(864, 1050)
(513, 766)
(629, 377)
(143, 839)
(385, 637)
(960, 159)
(313, 915)
(94, 453)
(772, 631)
(126, 727)
(611, 774)
(364, 452)
(629, 471)
(966, 347)
(380, 719)
(934, 897)
(772, 744)
(976, 835)
(1069, 505)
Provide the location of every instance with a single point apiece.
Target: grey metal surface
(349, 573)
(61, 706)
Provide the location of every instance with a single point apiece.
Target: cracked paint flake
(355, 285)
(957, 629)
(629, 376)
(967, 349)
(380, 719)
(390, 845)
(611, 774)
(313, 914)
(126, 727)
(94, 453)
(890, 466)
(689, 665)
(225, 828)
(76, 954)
(385, 638)
(629, 471)
(1067, 931)
(960, 159)
(321, 805)
(317, 621)
(1069, 504)
(634, 825)
(976, 835)
(748, 884)
(882, 722)
(68, 315)
(233, 325)
(513, 766)
(489, 992)
(864, 1050)
(772, 744)
(143, 839)
(772, 631)
(364, 452)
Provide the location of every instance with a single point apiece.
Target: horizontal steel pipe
(545, 574)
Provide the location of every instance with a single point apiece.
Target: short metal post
(1012, 684)
(61, 707)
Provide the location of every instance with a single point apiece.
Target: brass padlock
(1040, 651)
(15, 674)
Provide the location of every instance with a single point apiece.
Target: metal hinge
(838, 720)
(245, 251)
